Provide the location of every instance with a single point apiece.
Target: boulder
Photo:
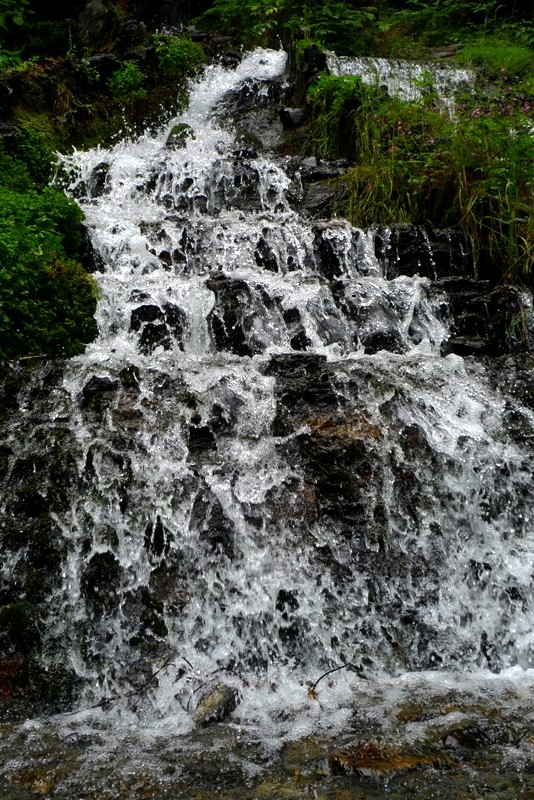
(216, 705)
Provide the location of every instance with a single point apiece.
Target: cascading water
(277, 471)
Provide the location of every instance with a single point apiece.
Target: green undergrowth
(337, 25)
(411, 162)
(47, 299)
(497, 57)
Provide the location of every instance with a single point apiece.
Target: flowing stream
(277, 473)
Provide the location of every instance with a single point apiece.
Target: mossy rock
(179, 136)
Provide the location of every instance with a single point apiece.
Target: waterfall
(277, 470)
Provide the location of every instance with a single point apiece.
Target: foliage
(178, 56)
(498, 56)
(444, 21)
(127, 82)
(413, 163)
(47, 300)
(335, 24)
(31, 147)
(13, 12)
(343, 28)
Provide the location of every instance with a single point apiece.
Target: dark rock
(417, 250)
(466, 346)
(104, 63)
(216, 705)
(212, 524)
(100, 582)
(147, 313)
(292, 117)
(98, 182)
(314, 58)
(320, 199)
(157, 538)
(7, 131)
(264, 256)
(201, 437)
(129, 377)
(248, 144)
(473, 736)
(160, 327)
(230, 59)
(99, 391)
(90, 259)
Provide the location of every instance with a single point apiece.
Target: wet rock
(201, 437)
(159, 327)
(157, 538)
(179, 135)
(264, 256)
(292, 117)
(230, 58)
(216, 705)
(416, 250)
(244, 319)
(100, 582)
(213, 526)
(248, 144)
(374, 759)
(98, 183)
(129, 377)
(320, 199)
(99, 391)
(89, 258)
(474, 737)
(488, 321)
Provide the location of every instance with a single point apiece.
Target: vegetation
(413, 163)
(127, 82)
(338, 25)
(178, 56)
(47, 300)
(410, 162)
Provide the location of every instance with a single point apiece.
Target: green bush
(336, 24)
(178, 56)
(127, 82)
(47, 300)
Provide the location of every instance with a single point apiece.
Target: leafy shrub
(334, 23)
(178, 56)
(47, 300)
(13, 12)
(343, 28)
(31, 147)
(127, 81)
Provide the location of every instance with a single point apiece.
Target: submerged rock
(216, 705)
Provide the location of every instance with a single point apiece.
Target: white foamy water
(280, 472)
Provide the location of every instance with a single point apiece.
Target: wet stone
(100, 582)
(179, 135)
(99, 391)
(98, 183)
(216, 705)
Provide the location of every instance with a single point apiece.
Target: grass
(412, 163)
